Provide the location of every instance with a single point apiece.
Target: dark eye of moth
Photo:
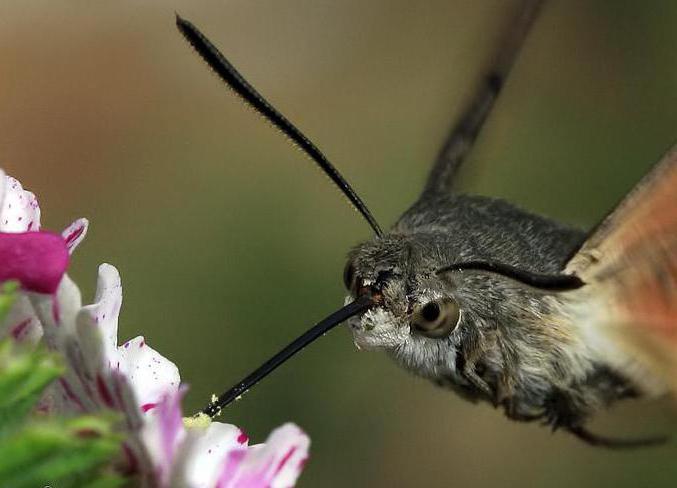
(436, 319)
(430, 312)
(348, 275)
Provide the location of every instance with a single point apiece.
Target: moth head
(425, 309)
(416, 312)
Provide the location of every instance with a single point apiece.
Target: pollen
(197, 421)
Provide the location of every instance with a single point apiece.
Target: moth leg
(464, 391)
(514, 408)
(600, 441)
(513, 412)
(476, 380)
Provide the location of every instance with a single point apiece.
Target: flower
(201, 453)
(133, 379)
(137, 381)
(36, 259)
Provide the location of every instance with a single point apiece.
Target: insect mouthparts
(361, 304)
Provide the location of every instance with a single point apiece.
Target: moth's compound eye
(349, 276)
(437, 318)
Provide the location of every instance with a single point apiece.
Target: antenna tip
(181, 23)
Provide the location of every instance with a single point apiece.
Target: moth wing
(629, 265)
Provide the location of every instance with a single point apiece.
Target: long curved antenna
(460, 141)
(319, 329)
(248, 93)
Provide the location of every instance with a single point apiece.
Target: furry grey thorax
(514, 345)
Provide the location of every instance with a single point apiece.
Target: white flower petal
(75, 233)
(3, 175)
(57, 313)
(101, 375)
(105, 310)
(199, 462)
(56, 316)
(71, 329)
(20, 211)
(21, 322)
(276, 464)
(150, 375)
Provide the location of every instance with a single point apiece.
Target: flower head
(132, 378)
(36, 259)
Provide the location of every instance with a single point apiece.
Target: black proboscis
(550, 282)
(227, 72)
(353, 308)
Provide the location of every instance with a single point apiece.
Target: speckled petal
(199, 462)
(89, 342)
(57, 312)
(104, 312)
(19, 210)
(150, 375)
(21, 322)
(75, 233)
(276, 464)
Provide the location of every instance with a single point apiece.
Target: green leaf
(7, 296)
(106, 481)
(23, 377)
(61, 453)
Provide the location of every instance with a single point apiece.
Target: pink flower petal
(19, 210)
(171, 421)
(277, 464)
(163, 433)
(38, 260)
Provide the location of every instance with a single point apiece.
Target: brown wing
(630, 265)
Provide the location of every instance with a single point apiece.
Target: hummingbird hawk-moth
(496, 303)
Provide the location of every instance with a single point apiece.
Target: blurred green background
(230, 243)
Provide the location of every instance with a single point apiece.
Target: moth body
(515, 346)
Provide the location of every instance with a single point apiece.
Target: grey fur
(515, 346)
